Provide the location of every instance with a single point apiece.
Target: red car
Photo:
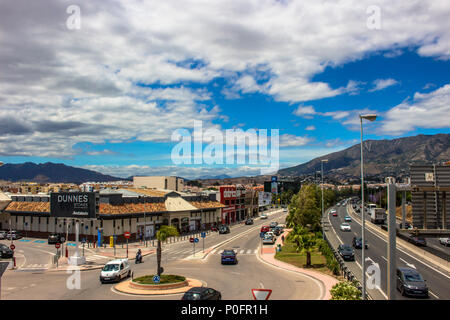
(334, 213)
(265, 229)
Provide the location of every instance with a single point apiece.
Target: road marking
(249, 251)
(408, 264)
(417, 259)
(429, 291)
(241, 252)
(262, 286)
(384, 258)
(256, 250)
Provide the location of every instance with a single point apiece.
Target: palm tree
(163, 233)
(304, 241)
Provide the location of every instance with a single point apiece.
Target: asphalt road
(438, 283)
(234, 281)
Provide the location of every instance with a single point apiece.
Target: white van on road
(115, 270)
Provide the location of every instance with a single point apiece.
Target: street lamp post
(370, 117)
(323, 208)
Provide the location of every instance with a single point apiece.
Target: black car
(228, 256)
(357, 243)
(418, 241)
(273, 224)
(346, 252)
(224, 229)
(5, 251)
(202, 293)
(249, 221)
(55, 238)
(411, 283)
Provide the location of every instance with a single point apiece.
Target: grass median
(165, 279)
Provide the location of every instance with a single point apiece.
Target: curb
(123, 287)
(324, 289)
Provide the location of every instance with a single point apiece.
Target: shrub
(345, 291)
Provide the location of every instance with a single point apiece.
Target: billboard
(274, 187)
(264, 198)
(74, 204)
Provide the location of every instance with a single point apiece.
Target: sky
(109, 85)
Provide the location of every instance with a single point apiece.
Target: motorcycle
(138, 259)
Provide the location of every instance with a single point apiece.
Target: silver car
(444, 241)
(115, 270)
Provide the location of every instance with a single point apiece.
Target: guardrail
(344, 270)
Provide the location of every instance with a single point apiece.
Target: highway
(437, 281)
(234, 281)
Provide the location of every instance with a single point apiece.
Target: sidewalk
(268, 255)
(63, 264)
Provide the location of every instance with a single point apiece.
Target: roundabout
(140, 288)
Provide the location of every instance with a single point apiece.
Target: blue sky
(111, 103)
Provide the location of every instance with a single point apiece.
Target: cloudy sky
(105, 84)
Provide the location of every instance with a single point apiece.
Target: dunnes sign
(74, 204)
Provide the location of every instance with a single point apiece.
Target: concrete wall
(159, 182)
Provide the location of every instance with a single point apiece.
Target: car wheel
(129, 274)
(220, 297)
(402, 291)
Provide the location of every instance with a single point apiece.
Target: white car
(346, 227)
(115, 270)
(444, 241)
(269, 239)
(271, 234)
(264, 216)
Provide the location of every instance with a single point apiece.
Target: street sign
(12, 246)
(191, 240)
(127, 235)
(156, 279)
(196, 240)
(57, 245)
(203, 234)
(3, 267)
(261, 294)
(63, 239)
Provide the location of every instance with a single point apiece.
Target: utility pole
(391, 254)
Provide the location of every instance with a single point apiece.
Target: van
(115, 270)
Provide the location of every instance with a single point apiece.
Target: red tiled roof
(28, 206)
(206, 204)
(131, 208)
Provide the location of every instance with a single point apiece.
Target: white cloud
(427, 110)
(305, 111)
(90, 79)
(310, 128)
(290, 140)
(381, 84)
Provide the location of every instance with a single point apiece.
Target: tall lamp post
(323, 208)
(370, 117)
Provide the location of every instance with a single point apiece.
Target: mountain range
(51, 172)
(381, 157)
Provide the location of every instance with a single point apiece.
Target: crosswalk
(35, 267)
(95, 257)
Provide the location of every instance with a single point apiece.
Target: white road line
(262, 286)
(408, 264)
(241, 252)
(429, 291)
(249, 251)
(256, 250)
(214, 251)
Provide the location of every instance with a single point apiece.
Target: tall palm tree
(304, 241)
(163, 233)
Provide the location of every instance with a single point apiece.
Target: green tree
(345, 291)
(163, 233)
(304, 240)
(305, 208)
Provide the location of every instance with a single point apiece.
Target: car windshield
(111, 267)
(345, 224)
(192, 296)
(228, 253)
(267, 236)
(413, 277)
(346, 247)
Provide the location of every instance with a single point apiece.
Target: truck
(377, 215)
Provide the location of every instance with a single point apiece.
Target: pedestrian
(282, 239)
